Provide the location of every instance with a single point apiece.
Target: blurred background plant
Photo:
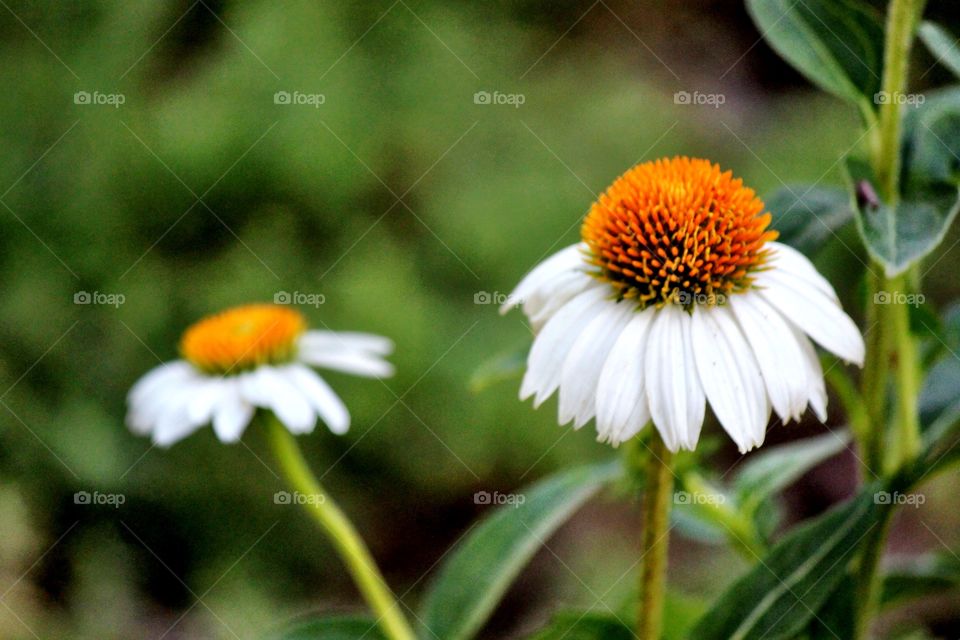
(395, 166)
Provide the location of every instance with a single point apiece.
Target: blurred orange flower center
(677, 230)
(242, 338)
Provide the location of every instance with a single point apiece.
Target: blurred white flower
(249, 357)
(678, 295)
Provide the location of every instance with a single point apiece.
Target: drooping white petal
(232, 413)
(324, 400)
(777, 352)
(205, 398)
(675, 396)
(730, 375)
(814, 312)
(158, 377)
(357, 363)
(816, 388)
(581, 369)
(165, 392)
(553, 343)
(173, 423)
(266, 387)
(788, 260)
(622, 409)
(563, 261)
(547, 300)
(347, 341)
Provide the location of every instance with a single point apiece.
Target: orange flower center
(242, 338)
(677, 230)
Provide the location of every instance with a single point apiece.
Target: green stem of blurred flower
(341, 533)
(894, 345)
(658, 490)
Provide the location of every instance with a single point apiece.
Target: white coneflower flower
(679, 295)
(248, 357)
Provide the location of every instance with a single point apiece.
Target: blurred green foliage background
(401, 201)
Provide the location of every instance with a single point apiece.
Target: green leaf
(585, 626)
(836, 44)
(931, 141)
(835, 620)
(776, 468)
(925, 575)
(807, 217)
(899, 236)
(942, 45)
(781, 595)
(476, 575)
(332, 628)
(939, 404)
(503, 366)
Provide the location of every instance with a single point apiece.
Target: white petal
(675, 396)
(815, 385)
(581, 369)
(159, 376)
(564, 260)
(347, 341)
(786, 259)
(547, 300)
(357, 363)
(267, 387)
(814, 312)
(777, 352)
(622, 409)
(324, 400)
(551, 346)
(146, 411)
(205, 398)
(232, 413)
(730, 375)
(173, 424)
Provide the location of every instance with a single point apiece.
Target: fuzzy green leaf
(901, 235)
(836, 44)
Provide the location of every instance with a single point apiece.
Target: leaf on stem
(478, 572)
(944, 47)
(836, 44)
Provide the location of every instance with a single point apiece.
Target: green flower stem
(894, 345)
(902, 18)
(906, 442)
(658, 493)
(341, 533)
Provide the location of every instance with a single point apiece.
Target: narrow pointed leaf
(922, 576)
(781, 595)
(478, 572)
(941, 43)
(776, 468)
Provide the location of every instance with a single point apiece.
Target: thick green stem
(873, 381)
(905, 444)
(902, 18)
(658, 495)
(341, 533)
(894, 344)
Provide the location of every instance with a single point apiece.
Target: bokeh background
(408, 206)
